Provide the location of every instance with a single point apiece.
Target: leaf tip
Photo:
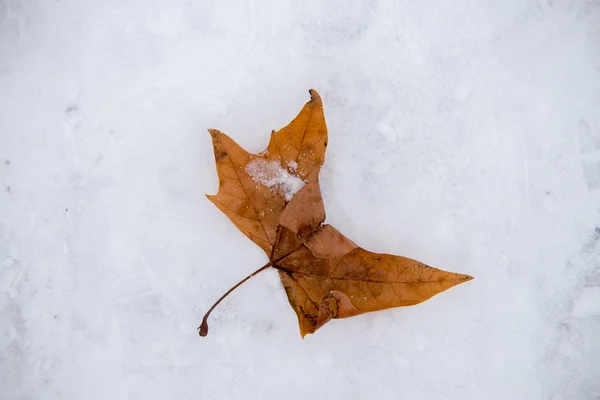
(315, 98)
(211, 197)
(304, 332)
(218, 144)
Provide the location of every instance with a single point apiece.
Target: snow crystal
(293, 165)
(272, 175)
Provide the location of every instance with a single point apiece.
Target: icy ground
(465, 134)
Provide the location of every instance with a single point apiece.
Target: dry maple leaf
(275, 200)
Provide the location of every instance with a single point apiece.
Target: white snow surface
(465, 134)
(272, 175)
(588, 303)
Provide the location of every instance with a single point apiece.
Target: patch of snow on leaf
(272, 175)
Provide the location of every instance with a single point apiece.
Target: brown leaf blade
(305, 212)
(301, 144)
(358, 282)
(254, 208)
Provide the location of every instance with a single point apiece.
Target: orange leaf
(255, 188)
(274, 198)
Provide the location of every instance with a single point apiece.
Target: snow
(272, 175)
(293, 165)
(464, 134)
(588, 303)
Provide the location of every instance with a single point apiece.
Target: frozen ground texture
(465, 134)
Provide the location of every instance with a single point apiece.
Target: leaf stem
(203, 328)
